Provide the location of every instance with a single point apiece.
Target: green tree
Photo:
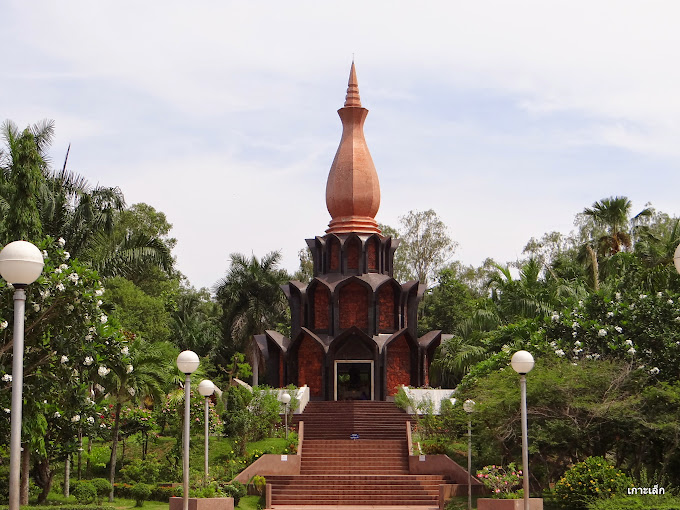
(424, 246)
(251, 300)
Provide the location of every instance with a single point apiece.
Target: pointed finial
(352, 98)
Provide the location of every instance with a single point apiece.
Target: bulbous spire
(352, 189)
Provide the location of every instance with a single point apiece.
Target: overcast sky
(506, 118)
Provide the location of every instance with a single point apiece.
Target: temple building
(353, 327)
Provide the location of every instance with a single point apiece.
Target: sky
(505, 118)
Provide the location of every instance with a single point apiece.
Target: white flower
(632, 351)
(103, 319)
(610, 314)
(577, 343)
(64, 359)
(88, 361)
(73, 277)
(577, 351)
(8, 410)
(559, 352)
(102, 426)
(61, 242)
(555, 317)
(60, 286)
(3, 325)
(88, 338)
(574, 334)
(44, 254)
(57, 414)
(677, 319)
(67, 255)
(63, 267)
(574, 325)
(7, 378)
(654, 371)
(125, 350)
(57, 271)
(131, 391)
(596, 356)
(643, 296)
(103, 371)
(659, 294)
(670, 301)
(629, 342)
(99, 387)
(99, 292)
(632, 305)
(618, 329)
(90, 419)
(553, 344)
(602, 332)
(580, 303)
(129, 369)
(75, 418)
(99, 302)
(36, 307)
(618, 296)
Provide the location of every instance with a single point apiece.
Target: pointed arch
(307, 358)
(319, 298)
(333, 257)
(387, 307)
(372, 254)
(401, 362)
(354, 301)
(352, 250)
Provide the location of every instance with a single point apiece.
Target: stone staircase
(369, 471)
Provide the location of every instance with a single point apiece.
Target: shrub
(146, 471)
(141, 492)
(102, 486)
(501, 481)
(235, 490)
(84, 492)
(591, 479)
(259, 482)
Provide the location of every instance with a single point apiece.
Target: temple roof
(353, 189)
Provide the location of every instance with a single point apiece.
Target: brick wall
(372, 255)
(398, 365)
(321, 308)
(353, 253)
(354, 306)
(335, 254)
(386, 315)
(310, 361)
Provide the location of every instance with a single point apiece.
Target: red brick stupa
(353, 327)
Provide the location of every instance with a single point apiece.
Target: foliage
(141, 492)
(424, 246)
(259, 482)
(251, 300)
(102, 486)
(235, 490)
(501, 481)
(172, 414)
(250, 416)
(84, 492)
(627, 502)
(446, 305)
(144, 471)
(593, 478)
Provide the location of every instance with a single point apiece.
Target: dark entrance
(353, 380)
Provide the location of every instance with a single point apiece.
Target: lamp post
(469, 407)
(285, 399)
(20, 264)
(206, 388)
(522, 362)
(676, 258)
(187, 362)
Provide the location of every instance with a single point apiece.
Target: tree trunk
(114, 449)
(67, 476)
(43, 477)
(89, 454)
(80, 452)
(25, 474)
(595, 268)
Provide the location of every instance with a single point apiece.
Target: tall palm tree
(613, 215)
(251, 300)
(23, 165)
